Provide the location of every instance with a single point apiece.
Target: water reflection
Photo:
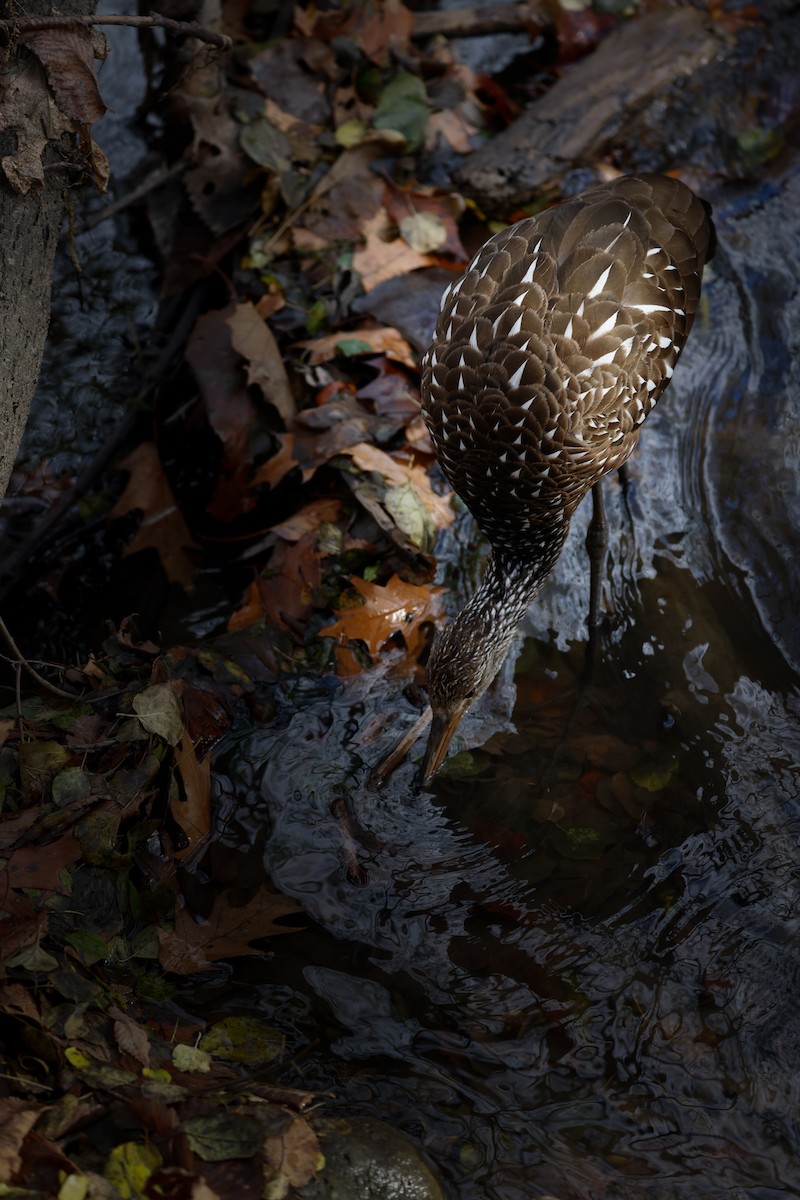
(574, 968)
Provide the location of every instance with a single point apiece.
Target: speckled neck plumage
(549, 353)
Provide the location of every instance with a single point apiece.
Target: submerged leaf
(243, 1040)
(223, 1136)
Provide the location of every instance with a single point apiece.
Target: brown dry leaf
(292, 577)
(193, 812)
(358, 342)
(196, 945)
(308, 519)
(399, 607)
(16, 1000)
(38, 866)
(380, 260)
(310, 450)
(375, 29)
(285, 593)
(296, 1153)
(163, 528)
(255, 341)
(131, 1037)
(67, 56)
(279, 465)
(217, 367)
(454, 127)
(370, 458)
(17, 1118)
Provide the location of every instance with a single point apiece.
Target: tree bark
(30, 227)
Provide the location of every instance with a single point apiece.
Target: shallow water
(574, 966)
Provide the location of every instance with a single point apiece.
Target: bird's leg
(624, 476)
(596, 545)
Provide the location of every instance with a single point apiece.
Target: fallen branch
(151, 21)
(477, 22)
(21, 662)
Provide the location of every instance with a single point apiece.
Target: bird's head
(464, 661)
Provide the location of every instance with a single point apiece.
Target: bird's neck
(511, 581)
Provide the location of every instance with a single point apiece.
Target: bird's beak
(439, 739)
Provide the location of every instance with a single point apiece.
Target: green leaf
(224, 1136)
(90, 946)
(70, 785)
(350, 347)
(403, 106)
(33, 958)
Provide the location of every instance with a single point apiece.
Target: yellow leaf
(129, 1167)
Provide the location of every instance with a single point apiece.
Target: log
(578, 120)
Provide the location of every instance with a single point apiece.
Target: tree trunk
(30, 227)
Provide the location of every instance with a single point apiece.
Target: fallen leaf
(129, 1167)
(371, 458)
(399, 607)
(224, 1136)
(38, 866)
(428, 220)
(217, 367)
(196, 945)
(17, 1118)
(379, 260)
(404, 108)
(162, 528)
(285, 592)
(191, 1059)
(454, 128)
(131, 1038)
(159, 710)
(308, 519)
(243, 1039)
(255, 341)
(357, 343)
(374, 29)
(193, 811)
(296, 1153)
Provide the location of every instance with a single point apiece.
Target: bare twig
(154, 180)
(477, 22)
(21, 661)
(151, 21)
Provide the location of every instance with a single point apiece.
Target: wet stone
(371, 1160)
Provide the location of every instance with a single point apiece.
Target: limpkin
(548, 354)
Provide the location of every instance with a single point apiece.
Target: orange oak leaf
(353, 343)
(379, 260)
(163, 528)
(399, 607)
(196, 945)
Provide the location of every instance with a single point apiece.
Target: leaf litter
(313, 485)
